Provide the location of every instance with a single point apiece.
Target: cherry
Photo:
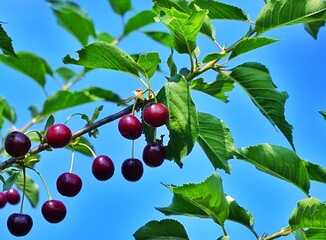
(17, 144)
(153, 154)
(13, 196)
(130, 127)
(69, 184)
(132, 169)
(102, 168)
(19, 224)
(155, 114)
(58, 136)
(54, 211)
(3, 199)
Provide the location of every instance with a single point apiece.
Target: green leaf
(120, 6)
(256, 81)
(249, 44)
(65, 99)
(149, 63)
(208, 28)
(309, 213)
(161, 37)
(66, 73)
(49, 122)
(31, 189)
(323, 113)
(6, 43)
(216, 89)
(279, 13)
(214, 57)
(180, 5)
(279, 162)
(164, 229)
(6, 112)
(313, 28)
(219, 10)
(207, 196)
(171, 64)
(239, 214)
(29, 64)
(182, 123)
(138, 21)
(315, 234)
(184, 27)
(74, 19)
(13, 175)
(216, 140)
(106, 56)
(316, 172)
(80, 148)
(106, 37)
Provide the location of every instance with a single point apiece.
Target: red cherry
(58, 136)
(132, 169)
(69, 184)
(3, 199)
(17, 144)
(102, 168)
(155, 114)
(130, 127)
(13, 196)
(54, 211)
(153, 154)
(19, 224)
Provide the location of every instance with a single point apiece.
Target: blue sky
(116, 209)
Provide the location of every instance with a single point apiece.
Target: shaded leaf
(313, 28)
(161, 37)
(104, 55)
(219, 10)
(164, 229)
(256, 81)
(10, 181)
(316, 172)
(214, 57)
(120, 6)
(171, 64)
(216, 140)
(6, 43)
(29, 64)
(64, 99)
(149, 63)
(80, 148)
(6, 112)
(309, 213)
(279, 13)
(216, 89)
(323, 113)
(182, 123)
(208, 28)
(138, 21)
(279, 162)
(315, 234)
(66, 73)
(207, 196)
(49, 122)
(31, 189)
(74, 19)
(249, 44)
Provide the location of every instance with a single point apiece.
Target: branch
(43, 146)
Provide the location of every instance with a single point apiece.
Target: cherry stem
(43, 181)
(72, 159)
(88, 147)
(44, 146)
(24, 189)
(133, 149)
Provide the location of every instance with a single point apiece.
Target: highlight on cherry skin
(19, 224)
(155, 114)
(13, 196)
(17, 144)
(130, 127)
(69, 184)
(102, 168)
(58, 135)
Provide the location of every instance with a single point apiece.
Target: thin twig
(44, 146)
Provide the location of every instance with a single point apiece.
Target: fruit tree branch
(43, 146)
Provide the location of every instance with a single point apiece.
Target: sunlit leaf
(256, 81)
(6, 43)
(183, 122)
(64, 99)
(216, 140)
(313, 28)
(29, 64)
(120, 6)
(309, 213)
(66, 73)
(106, 37)
(138, 21)
(219, 10)
(164, 229)
(214, 57)
(74, 19)
(249, 44)
(279, 13)
(316, 172)
(149, 63)
(279, 162)
(208, 28)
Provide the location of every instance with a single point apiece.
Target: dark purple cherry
(155, 114)
(3, 199)
(132, 169)
(102, 168)
(19, 224)
(58, 136)
(153, 154)
(130, 127)
(69, 184)
(13, 196)
(54, 211)
(17, 144)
